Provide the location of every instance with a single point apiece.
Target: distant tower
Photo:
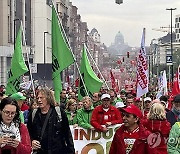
(119, 38)
(95, 35)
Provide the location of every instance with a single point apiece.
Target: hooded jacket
(74, 120)
(174, 139)
(84, 117)
(161, 129)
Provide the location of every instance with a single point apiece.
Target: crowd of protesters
(148, 125)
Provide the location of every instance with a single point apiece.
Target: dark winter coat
(57, 138)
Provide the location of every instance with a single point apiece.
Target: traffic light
(123, 59)
(119, 1)
(128, 54)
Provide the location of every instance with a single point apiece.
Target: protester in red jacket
(105, 115)
(131, 137)
(159, 128)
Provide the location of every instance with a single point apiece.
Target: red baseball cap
(132, 109)
(136, 99)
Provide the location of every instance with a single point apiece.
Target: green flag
(61, 54)
(91, 81)
(18, 66)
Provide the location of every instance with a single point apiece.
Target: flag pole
(24, 42)
(97, 67)
(71, 52)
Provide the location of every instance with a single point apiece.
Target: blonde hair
(69, 103)
(86, 98)
(156, 112)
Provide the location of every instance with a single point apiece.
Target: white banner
(142, 69)
(26, 85)
(88, 141)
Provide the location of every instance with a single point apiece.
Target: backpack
(58, 111)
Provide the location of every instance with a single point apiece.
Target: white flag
(165, 89)
(142, 69)
(25, 85)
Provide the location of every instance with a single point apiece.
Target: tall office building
(177, 27)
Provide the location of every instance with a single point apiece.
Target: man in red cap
(138, 102)
(131, 137)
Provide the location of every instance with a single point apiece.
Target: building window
(179, 19)
(176, 19)
(177, 25)
(177, 36)
(9, 2)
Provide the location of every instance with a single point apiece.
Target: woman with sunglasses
(14, 136)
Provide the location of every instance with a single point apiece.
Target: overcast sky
(129, 18)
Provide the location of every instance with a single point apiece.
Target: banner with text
(90, 141)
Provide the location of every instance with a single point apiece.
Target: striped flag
(142, 69)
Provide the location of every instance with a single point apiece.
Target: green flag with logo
(61, 54)
(91, 81)
(18, 66)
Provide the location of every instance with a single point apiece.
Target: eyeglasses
(8, 113)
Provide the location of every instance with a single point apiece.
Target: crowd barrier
(88, 141)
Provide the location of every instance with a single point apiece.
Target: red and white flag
(179, 76)
(176, 88)
(113, 82)
(142, 69)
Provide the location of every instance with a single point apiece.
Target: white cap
(147, 99)
(105, 96)
(120, 104)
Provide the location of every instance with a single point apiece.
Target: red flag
(99, 75)
(113, 82)
(77, 82)
(176, 88)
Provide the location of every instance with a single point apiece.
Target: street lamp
(171, 9)
(119, 1)
(45, 57)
